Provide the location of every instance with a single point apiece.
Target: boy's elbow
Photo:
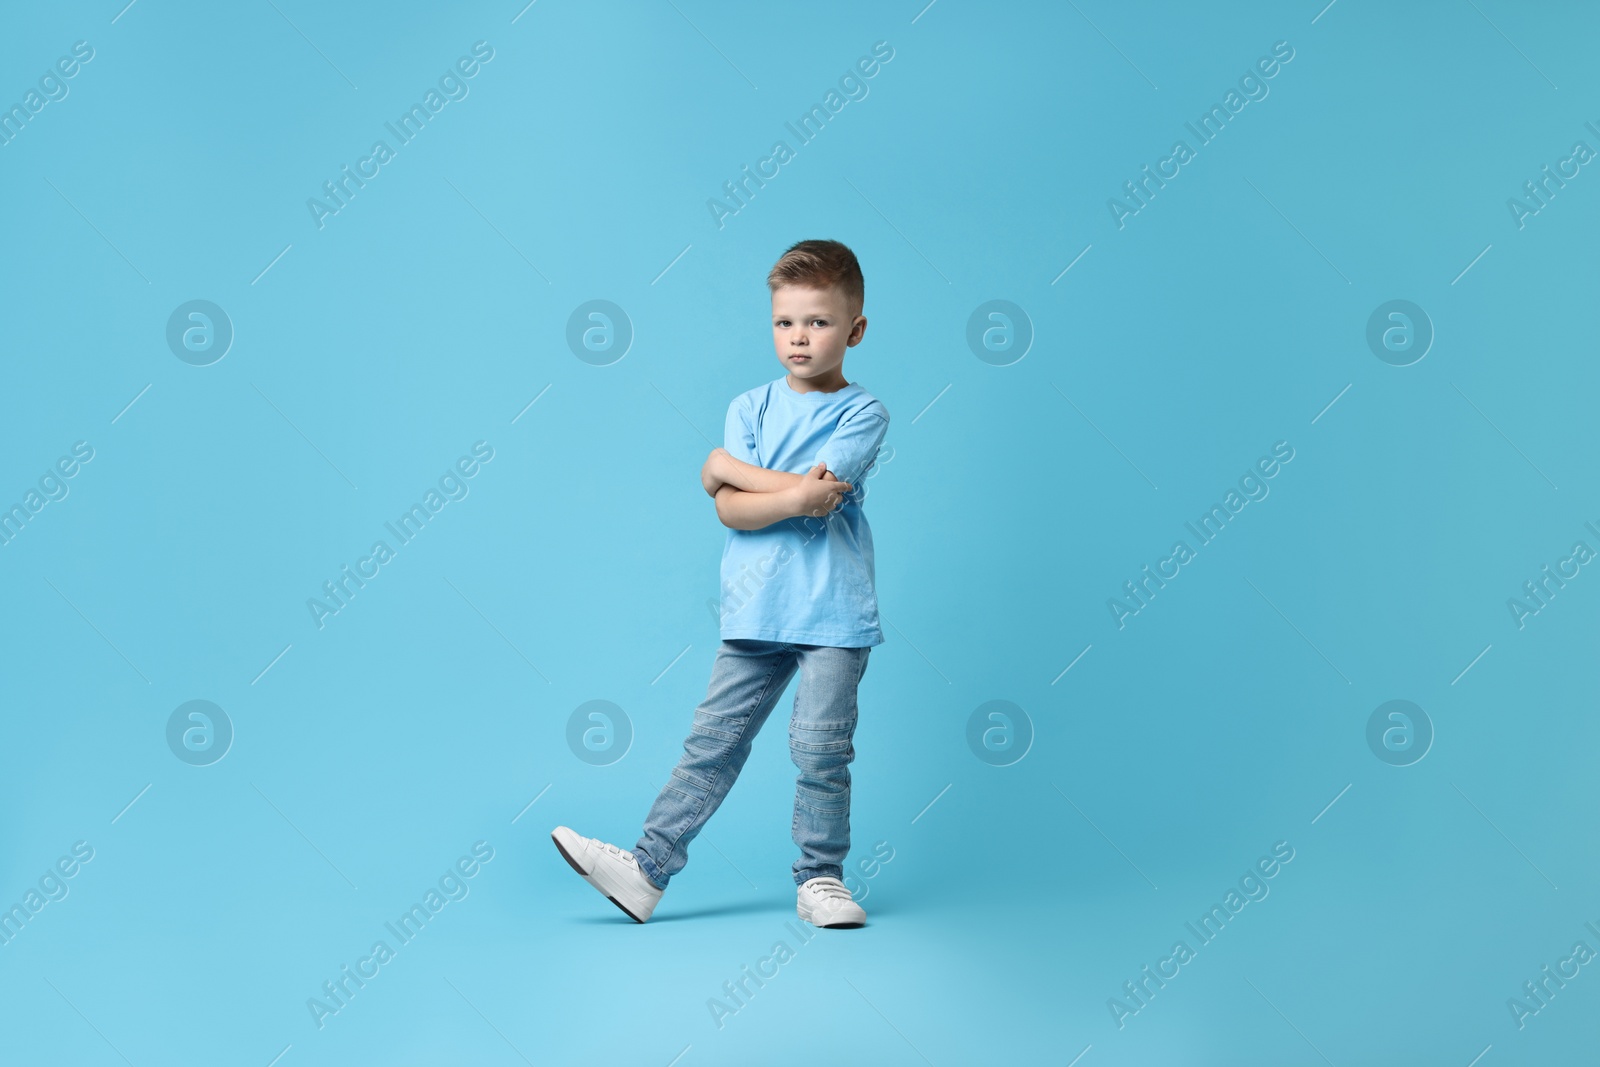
(710, 482)
(724, 512)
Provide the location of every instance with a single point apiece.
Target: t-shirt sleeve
(738, 435)
(853, 448)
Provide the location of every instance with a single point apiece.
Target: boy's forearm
(753, 479)
(721, 468)
(748, 510)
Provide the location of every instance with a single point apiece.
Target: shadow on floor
(748, 907)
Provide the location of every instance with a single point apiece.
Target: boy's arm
(722, 468)
(815, 494)
(742, 510)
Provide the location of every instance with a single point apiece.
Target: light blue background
(428, 314)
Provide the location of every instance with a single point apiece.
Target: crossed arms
(750, 497)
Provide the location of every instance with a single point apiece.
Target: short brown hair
(820, 265)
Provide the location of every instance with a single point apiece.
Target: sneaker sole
(832, 925)
(585, 875)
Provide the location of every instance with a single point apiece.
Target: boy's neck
(830, 385)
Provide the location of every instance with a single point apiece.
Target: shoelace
(831, 887)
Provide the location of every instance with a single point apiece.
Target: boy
(797, 584)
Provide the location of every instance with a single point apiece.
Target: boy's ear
(857, 330)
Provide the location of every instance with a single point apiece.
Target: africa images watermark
(1252, 887)
(453, 486)
(52, 887)
(453, 885)
(452, 86)
(739, 991)
(1538, 994)
(1539, 192)
(53, 88)
(740, 191)
(52, 487)
(1212, 123)
(1538, 592)
(1253, 486)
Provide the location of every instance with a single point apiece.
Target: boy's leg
(820, 736)
(747, 679)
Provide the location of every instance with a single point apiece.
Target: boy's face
(811, 328)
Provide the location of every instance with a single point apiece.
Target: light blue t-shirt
(805, 580)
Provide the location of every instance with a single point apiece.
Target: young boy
(797, 585)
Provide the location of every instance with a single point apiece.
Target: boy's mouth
(798, 357)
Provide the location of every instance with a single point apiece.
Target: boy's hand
(819, 492)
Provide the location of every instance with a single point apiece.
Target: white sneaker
(613, 871)
(827, 902)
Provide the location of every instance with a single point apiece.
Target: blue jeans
(746, 681)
